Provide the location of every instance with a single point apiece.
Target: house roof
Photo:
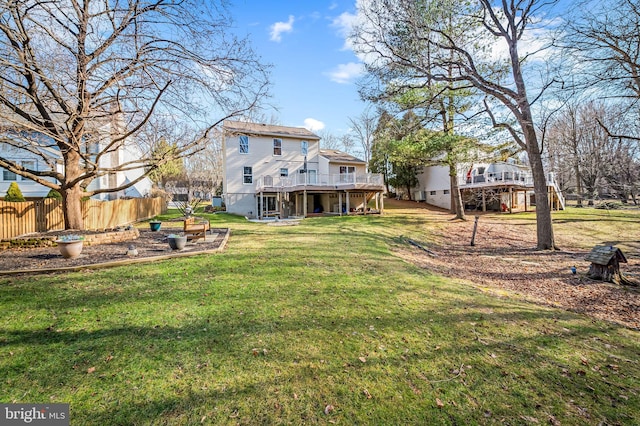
(240, 127)
(339, 157)
(603, 255)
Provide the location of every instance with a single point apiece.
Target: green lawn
(317, 324)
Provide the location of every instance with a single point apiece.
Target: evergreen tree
(14, 193)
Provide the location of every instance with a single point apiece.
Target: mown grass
(317, 324)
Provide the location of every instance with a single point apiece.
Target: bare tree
(588, 156)
(348, 144)
(328, 140)
(604, 39)
(80, 79)
(418, 43)
(364, 127)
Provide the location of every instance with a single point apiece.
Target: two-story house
(280, 171)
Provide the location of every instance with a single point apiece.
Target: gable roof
(259, 129)
(603, 255)
(339, 157)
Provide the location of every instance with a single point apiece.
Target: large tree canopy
(79, 79)
(473, 43)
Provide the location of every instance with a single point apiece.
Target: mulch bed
(505, 258)
(149, 245)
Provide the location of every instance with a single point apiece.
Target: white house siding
(127, 152)
(434, 187)
(240, 198)
(29, 188)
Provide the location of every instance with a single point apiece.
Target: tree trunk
(72, 207)
(543, 209)
(456, 197)
(72, 195)
(578, 184)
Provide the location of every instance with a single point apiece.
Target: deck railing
(521, 178)
(319, 180)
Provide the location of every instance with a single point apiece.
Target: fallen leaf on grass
(91, 370)
(328, 409)
(439, 403)
(367, 394)
(362, 359)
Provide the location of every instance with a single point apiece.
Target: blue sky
(314, 73)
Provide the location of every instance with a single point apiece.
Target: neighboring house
(279, 171)
(51, 157)
(29, 188)
(500, 186)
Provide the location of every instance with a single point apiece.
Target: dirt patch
(149, 246)
(505, 258)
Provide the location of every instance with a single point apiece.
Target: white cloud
(281, 27)
(346, 73)
(313, 125)
(344, 24)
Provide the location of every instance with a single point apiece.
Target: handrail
(315, 180)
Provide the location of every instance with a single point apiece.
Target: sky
(314, 72)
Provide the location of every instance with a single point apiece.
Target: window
(347, 174)
(7, 175)
(277, 147)
(446, 191)
(244, 144)
(247, 175)
(284, 172)
(432, 192)
(311, 176)
(30, 164)
(304, 147)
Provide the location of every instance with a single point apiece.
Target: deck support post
(510, 199)
(484, 201)
(304, 204)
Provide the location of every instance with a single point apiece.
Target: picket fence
(18, 218)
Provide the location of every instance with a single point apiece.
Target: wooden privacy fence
(46, 215)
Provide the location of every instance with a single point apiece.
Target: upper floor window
(244, 144)
(284, 172)
(10, 176)
(28, 164)
(247, 174)
(347, 169)
(277, 147)
(304, 147)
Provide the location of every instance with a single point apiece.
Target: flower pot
(177, 243)
(70, 249)
(155, 226)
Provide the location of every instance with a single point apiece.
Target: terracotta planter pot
(70, 249)
(177, 243)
